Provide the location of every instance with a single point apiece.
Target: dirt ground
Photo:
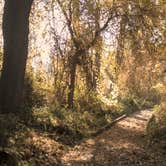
(124, 144)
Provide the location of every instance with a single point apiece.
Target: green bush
(88, 101)
(130, 104)
(156, 126)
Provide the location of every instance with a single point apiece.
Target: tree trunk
(87, 67)
(96, 70)
(15, 34)
(72, 80)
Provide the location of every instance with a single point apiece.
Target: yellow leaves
(140, 34)
(107, 3)
(160, 88)
(90, 142)
(88, 116)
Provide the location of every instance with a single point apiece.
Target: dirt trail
(121, 145)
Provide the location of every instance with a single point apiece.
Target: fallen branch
(106, 127)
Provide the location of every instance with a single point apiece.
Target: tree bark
(72, 80)
(15, 34)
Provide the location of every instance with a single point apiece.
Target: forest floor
(124, 144)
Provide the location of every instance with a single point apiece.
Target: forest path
(122, 145)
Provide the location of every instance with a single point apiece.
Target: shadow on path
(122, 145)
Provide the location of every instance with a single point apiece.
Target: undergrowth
(156, 127)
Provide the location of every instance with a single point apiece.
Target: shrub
(34, 91)
(156, 126)
(88, 101)
(130, 104)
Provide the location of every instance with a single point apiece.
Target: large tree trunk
(15, 33)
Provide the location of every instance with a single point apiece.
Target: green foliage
(133, 103)
(88, 101)
(60, 89)
(34, 91)
(156, 126)
(85, 118)
(160, 113)
(130, 104)
(88, 115)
